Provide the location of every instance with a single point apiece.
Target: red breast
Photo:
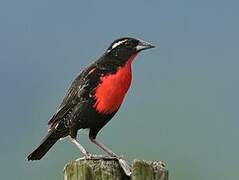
(111, 91)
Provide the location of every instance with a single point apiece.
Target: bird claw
(93, 156)
(123, 163)
(125, 166)
(86, 156)
(89, 156)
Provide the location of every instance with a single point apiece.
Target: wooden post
(105, 168)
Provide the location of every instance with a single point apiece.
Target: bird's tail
(44, 147)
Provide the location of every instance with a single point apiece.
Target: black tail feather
(44, 147)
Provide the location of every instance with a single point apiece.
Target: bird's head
(125, 47)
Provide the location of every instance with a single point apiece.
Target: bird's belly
(111, 91)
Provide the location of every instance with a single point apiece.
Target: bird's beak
(143, 45)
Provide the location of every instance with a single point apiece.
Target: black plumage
(77, 110)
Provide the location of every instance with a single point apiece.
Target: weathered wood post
(110, 169)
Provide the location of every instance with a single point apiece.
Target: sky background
(182, 107)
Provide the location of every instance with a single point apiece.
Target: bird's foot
(94, 156)
(126, 166)
(113, 155)
(89, 156)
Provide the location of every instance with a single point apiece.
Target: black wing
(72, 97)
(80, 89)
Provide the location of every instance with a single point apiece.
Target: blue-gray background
(182, 107)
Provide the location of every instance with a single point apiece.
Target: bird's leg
(123, 163)
(104, 148)
(82, 149)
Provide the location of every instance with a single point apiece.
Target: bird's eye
(128, 44)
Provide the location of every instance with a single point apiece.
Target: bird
(94, 97)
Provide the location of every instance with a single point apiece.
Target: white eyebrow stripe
(118, 43)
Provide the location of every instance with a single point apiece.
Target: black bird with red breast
(93, 97)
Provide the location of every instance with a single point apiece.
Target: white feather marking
(118, 43)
